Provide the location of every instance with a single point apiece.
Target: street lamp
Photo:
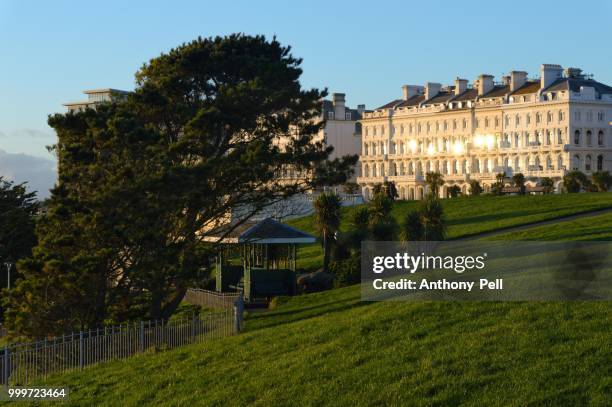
(8, 266)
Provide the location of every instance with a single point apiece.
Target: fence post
(142, 339)
(193, 328)
(5, 365)
(81, 353)
(238, 311)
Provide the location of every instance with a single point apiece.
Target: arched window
(517, 164)
(393, 169)
(560, 162)
(577, 137)
(589, 137)
(374, 170)
(600, 138)
(366, 171)
(549, 163)
(576, 163)
(559, 136)
(401, 169)
(600, 163)
(410, 168)
(587, 163)
(365, 149)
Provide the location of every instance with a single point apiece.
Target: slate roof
(497, 91)
(469, 94)
(441, 97)
(574, 85)
(528, 88)
(265, 231)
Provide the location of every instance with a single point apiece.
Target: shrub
(347, 272)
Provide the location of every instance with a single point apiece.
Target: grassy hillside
(472, 215)
(330, 348)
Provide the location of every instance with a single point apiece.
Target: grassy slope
(331, 348)
(472, 215)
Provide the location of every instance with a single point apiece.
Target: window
(561, 116)
(382, 130)
(464, 123)
(577, 137)
(600, 116)
(330, 115)
(507, 121)
(365, 149)
(549, 117)
(486, 122)
(347, 116)
(559, 136)
(454, 124)
(538, 118)
(600, 138)
(589, 137)
(600, 163)
(496, 121)
(589, 116)
(517, 120)
(528, 119)
(366, 131)
(577, 115)
(587, 163)
(576, 163)
(402, 129)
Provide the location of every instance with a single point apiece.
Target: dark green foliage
(379, 208)
(574, 181)
(347, 272)
(18, 209)
(454, 191)
(602, 180)
(432, 217)
(351, 188)
(140, 179)
(434, 181)
(327, 221)
(518, 180)
(412, 228)
(496, 188)
(475, 188)
(548, 184)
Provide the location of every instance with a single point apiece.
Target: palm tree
(327, 221)
(432, 218)
(518, 180)
(412, 227)
(475, 188)
(434, 181)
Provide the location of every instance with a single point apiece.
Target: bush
(347, 272)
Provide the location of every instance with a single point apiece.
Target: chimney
(485, 84)
(432, 89)
(517, 79)
(409, 91)
(460, 85)
(549, 73)
(339, 109)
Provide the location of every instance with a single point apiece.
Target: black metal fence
(23, 363)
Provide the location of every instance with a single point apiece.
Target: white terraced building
(540, 128)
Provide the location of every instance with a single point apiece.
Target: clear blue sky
(51, 50)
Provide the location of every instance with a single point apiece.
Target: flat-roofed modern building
(96, 96)
(538, 127)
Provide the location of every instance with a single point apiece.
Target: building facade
(342, 131)
(540, 128)
(96, 96)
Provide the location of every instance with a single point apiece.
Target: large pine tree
(208, 128)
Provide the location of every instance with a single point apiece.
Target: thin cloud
(39, 173)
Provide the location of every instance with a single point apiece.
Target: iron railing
(24, 363)
(211, 299)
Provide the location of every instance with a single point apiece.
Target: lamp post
(8, 266)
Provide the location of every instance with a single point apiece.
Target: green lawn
(472, 215)
(589, 228)
(331, 348)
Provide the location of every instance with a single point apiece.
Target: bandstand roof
(265, 231)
